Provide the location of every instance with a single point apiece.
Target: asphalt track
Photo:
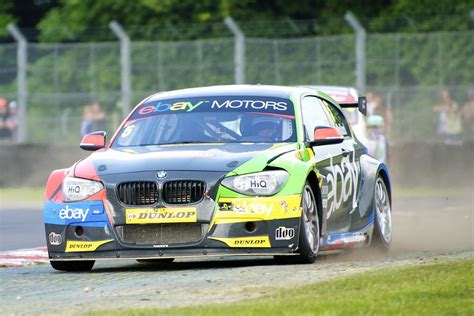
(425, 230)
(21, 228)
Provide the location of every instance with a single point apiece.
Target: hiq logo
(164, 107)
(73, 213)
(258, 184)
(74, 189)
(283, 233)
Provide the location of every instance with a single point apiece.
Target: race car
(232, 170)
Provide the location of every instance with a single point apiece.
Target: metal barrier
(407, 70)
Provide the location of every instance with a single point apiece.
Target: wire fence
(407, 70)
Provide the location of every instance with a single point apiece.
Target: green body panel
(260, 161)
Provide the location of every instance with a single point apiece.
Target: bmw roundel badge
(161, 174)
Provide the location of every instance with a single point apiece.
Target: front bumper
(230, 227)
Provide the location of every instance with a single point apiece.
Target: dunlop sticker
(160, 215)
(246, 242)
(82, 246)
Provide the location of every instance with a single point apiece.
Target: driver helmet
(264, 126)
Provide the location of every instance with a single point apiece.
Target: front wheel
(382, 236)
(309, 236)
(73, 266)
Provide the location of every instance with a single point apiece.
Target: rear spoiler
(361, 105)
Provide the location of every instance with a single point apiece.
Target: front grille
(183, 191)
(162, 234)
(138, 193)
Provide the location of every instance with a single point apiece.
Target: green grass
(431, 289)
(21, 194)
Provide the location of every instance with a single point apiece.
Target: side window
(338, 119)
(313, 115)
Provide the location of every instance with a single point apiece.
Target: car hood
(185, 157)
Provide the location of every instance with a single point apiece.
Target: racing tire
(309, 233)
(152, 261)
(382, 234)
(73, 266)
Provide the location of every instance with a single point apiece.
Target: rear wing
(361, 105)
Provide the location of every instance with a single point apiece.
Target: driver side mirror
(325, 135)
(93, 141)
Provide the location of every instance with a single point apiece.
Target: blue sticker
(77, 212)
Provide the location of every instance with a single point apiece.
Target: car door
(329, 162)
(346, 172)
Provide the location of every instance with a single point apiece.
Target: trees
(5, 15)
(73, 20)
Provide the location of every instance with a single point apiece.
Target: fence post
(276, 62)
(239, 50)
(440, 59)
(22, 84)
(360, 49)
(125, 61)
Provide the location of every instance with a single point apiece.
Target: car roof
(339, 93)
(229, 90)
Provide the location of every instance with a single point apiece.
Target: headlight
(76, 189)
(262, 183)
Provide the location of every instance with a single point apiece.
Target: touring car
(237, 170)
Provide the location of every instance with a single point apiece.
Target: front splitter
(168, 253)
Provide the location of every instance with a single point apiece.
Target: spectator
(468, 116)
(98, 117)
(5, 132)
(87, 124)
(375, 106)
(449, 120)
(12, 120)
(376, 140)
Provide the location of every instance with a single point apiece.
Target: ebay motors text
(227, 104)
(73, 213)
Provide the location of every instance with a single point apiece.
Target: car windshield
(222, 119)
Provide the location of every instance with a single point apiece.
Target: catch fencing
(407, 70)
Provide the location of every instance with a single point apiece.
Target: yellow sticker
(160, 215)
(264, 208)
(246, 242)
(81, 246)
(128, 130)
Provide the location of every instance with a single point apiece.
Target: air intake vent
(138, 193)
(152, 234)
(183, 191)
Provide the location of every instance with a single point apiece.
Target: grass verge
(431, 289)
(21, 194)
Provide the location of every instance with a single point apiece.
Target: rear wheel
(309, 230)
(73, 266)
(382, 236)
